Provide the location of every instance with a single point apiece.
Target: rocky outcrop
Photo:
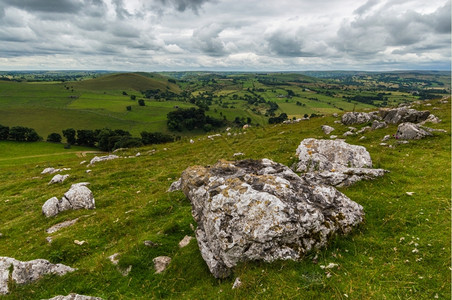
(261, 210)
(403, 114)
(77, 197)
(351, 118)
(334, 162)
(378, 125)
(75, 297)
(53, 170)
(58, 178)
(410, 131)
(431, 119)
(97, 159)
(327, 129)
(27, 271)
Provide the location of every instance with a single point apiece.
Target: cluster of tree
(191, 118)
(279, 119)
(157, 94)
(108, 140)
(19, 134)
(273, 107)
(368, 99)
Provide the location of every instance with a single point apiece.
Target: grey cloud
(364, 8)
(286, 44)
(207, 40)
(54, 6)
(182, 5)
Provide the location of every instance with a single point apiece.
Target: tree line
(105, 139)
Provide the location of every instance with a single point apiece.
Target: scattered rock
(83, 162)
(75, 297)
(53, 170)
(337, 122)
(185, 241)
(378, 125)
(28, 271)
(97, 159)
(77, 197)
(403, 142)
(334, 162)
(88, 171)
(333, 136)
(58, 179)
(246, 126)
(403, 114)
(428, 104)
(238, 154)
(61, 225)
(350, 118)
(261, 210)
(327, 129)
(192, 141)
(410, 193)
(138, 154)
(410, 131)
(349, 133)
(160, 263)
(119, 149)
(237, 283)
(113, 259)
(210, 137)
(49, 239)
(126, 271)
(362, 138)
(383, 144)
(431, 119)
(443, 101)
(335, 115)
(386, 138)
(148, 243)
(175, 186)
(80, 243)
(364, 129)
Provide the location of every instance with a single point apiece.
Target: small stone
(58, 179)
(333, 137)
(79, 242)
(362, 138)
(161, 263)
(185, 241)
(327, 129)
(410, 193)
(49, 239)
(75, 297)
(192, 141)
(386, 138)
(148, 243)
(126, 271)
(138, 154)
(237, 283)
(88, 171)
(114, 259)
(61, 225)
(83, 162)
(238, 154)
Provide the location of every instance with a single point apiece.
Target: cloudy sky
(242, 35)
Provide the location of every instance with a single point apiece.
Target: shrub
(54, 138)
(4, 132)
(141, 102)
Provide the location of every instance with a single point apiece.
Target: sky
(225, 35)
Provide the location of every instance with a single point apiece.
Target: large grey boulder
(334, 162)
(261, 210)
(27, 271)
(75, 297)
(77, 197)
(403, 114)
(410, 131)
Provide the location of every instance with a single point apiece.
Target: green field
(97, 101)
(401, 251)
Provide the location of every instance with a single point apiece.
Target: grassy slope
(375, 262)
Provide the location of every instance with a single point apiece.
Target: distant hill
(128, 81)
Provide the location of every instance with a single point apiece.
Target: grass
(377, 261)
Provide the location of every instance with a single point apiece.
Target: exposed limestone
(53, 170)
(28, 271)
(58, 179)
(403, 114)
(75, 297)
(378, 125)
(175, 186)
(237, 283)
(386, 138)
(185, 241)
(355, 118)
(61, 225)
(97, 159)
(334, 162)
(410, 131)
(161, 263)
(238, 154)
(261, 210)
(349, 133)
(77, 197)
(327, 129)
(431, 119)
(364, 129)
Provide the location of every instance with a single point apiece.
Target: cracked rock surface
(334, 162)
(27, 271)
(261, 210)
(77, 197)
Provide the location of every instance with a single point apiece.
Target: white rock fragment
(410, 193)
(238, 154)
(327, 129)
(61, 225)
(237, 283)
(73, 296)
(58, 179)
(192, 141)
(80, 243)
(185, 241)
(97, 159)
(114, 259)
(161, 263)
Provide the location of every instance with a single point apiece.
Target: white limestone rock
(334, 162)
(185, 241)
(75, 297)
(410, 131)
(327, 129)
(403, 114)
(161, 263)
(97, 159)
(28, 271)
(261, 210)
(58, 179)
(77, 197)
(61, 225)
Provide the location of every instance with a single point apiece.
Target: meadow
(401, 251)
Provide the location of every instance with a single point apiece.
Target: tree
(69, 134)
(54, 138)
(23, 134)
(129, 108)
(141, 102)
(149, 138)
(86, 137)
(133, 97)
(281, 118)
(4, 132)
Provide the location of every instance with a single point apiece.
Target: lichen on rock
(261, 210)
